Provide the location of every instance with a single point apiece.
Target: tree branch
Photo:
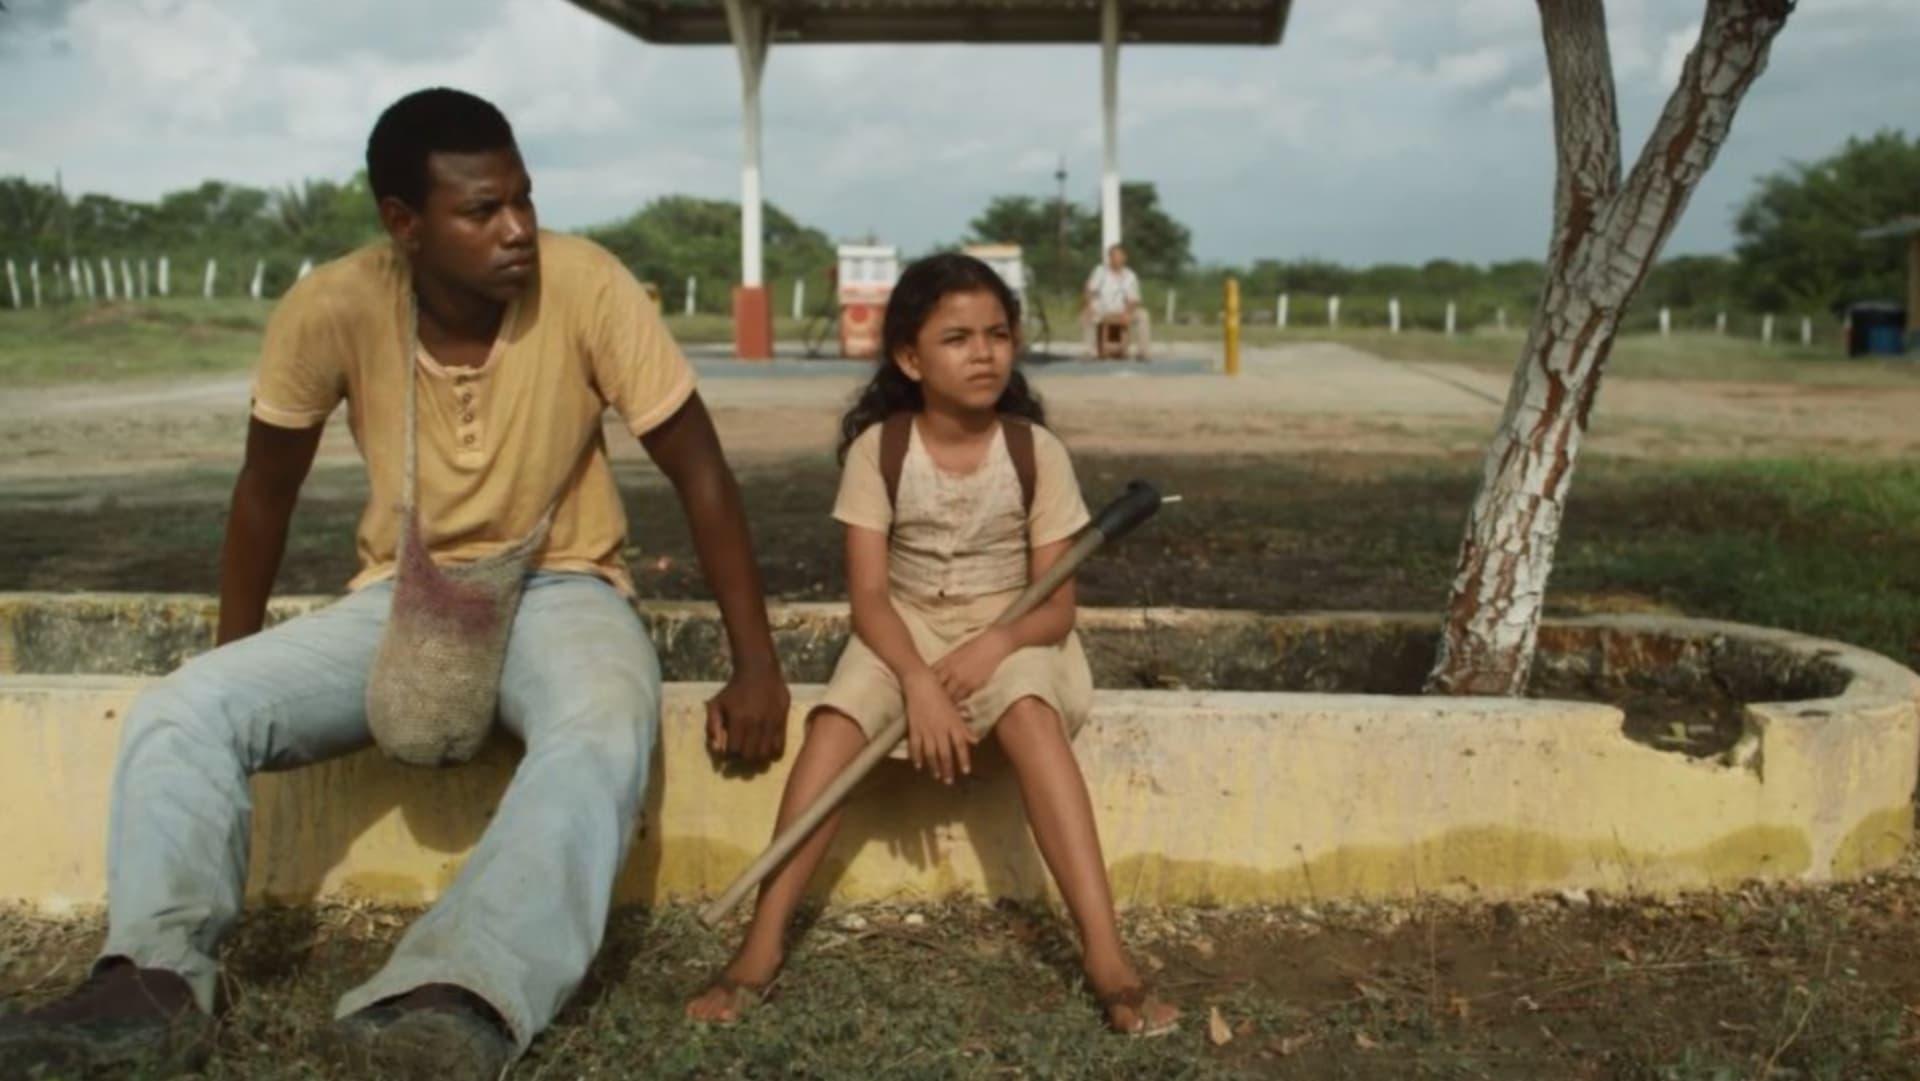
(1586, 116)
(1735, 37)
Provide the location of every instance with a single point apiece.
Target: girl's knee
(828, 724)
(1026, 719)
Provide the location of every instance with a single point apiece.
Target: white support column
(1109, 124)
(747, 24)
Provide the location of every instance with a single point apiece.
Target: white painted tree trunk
(1500, 319)
(1393, 315)
(1720, 324)
(86, 270)
(1766, 330)
(166, 283)
(145, 280)
(1806, 330)
(259, 278)
(1607, 233)
(1452, 314)
(33, 272)
(1170, 298)
(693, 293)
(126, 281)
(1333, 311)
(799, 298)
(206, 284)
(306, 268)
(1280, 312)
(73, 276)
(1666, 322)
(106, 276)
(13, 285)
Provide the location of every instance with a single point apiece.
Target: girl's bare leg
(833, 740)
(1061, 815)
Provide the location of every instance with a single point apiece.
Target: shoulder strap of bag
(1019, 435)
(895, 431)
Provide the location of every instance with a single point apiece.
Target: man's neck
(450, 312)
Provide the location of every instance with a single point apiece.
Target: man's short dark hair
(425, 122)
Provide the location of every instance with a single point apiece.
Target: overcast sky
(1378, 130)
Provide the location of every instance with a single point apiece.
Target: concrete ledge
(1203, 796)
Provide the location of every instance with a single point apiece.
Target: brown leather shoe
(122, 1016)
(439, 1032)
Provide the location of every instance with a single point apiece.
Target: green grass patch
(1822, 547)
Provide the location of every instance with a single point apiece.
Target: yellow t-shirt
(498, 443)
(952, 536)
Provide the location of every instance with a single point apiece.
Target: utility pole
(1060, 226)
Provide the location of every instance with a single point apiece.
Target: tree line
(1797, 245)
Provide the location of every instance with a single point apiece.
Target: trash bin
(1876, 328)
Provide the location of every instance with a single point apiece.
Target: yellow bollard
(1233, 326)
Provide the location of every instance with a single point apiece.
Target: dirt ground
(1309, 397)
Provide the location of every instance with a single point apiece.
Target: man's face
(477, 229)
(1117, 257)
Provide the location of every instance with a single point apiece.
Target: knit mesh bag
(434, 689)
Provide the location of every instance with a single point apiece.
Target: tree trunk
(1606, 235)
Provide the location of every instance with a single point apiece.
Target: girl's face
(963, 355)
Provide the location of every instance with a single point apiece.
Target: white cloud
(1393, 129)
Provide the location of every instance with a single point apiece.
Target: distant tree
(1799, 243)
(680, 235)
(319, 219)
(1159, 246)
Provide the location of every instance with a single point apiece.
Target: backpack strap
(897, 430)
(1019, 435)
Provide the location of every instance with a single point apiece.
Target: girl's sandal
(741, 998)
(1135, 997)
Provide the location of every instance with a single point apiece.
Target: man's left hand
(747, 720)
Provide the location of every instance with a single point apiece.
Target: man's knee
(610, 727)
(185, 709)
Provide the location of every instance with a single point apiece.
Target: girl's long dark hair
(915, 295)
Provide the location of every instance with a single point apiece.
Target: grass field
(1822, 547)
(158, 338)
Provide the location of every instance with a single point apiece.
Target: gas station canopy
(1033, 22)
(753, 27)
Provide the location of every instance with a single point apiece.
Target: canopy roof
(820, 22)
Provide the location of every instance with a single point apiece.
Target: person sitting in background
(1113, 295)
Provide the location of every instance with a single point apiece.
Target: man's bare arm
(749, 716)
(263, 499)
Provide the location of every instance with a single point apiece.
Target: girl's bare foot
(739, 987)
(1131, 1009)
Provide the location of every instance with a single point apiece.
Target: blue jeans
(524, 917)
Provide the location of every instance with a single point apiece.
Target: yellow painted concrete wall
(1228, 797)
